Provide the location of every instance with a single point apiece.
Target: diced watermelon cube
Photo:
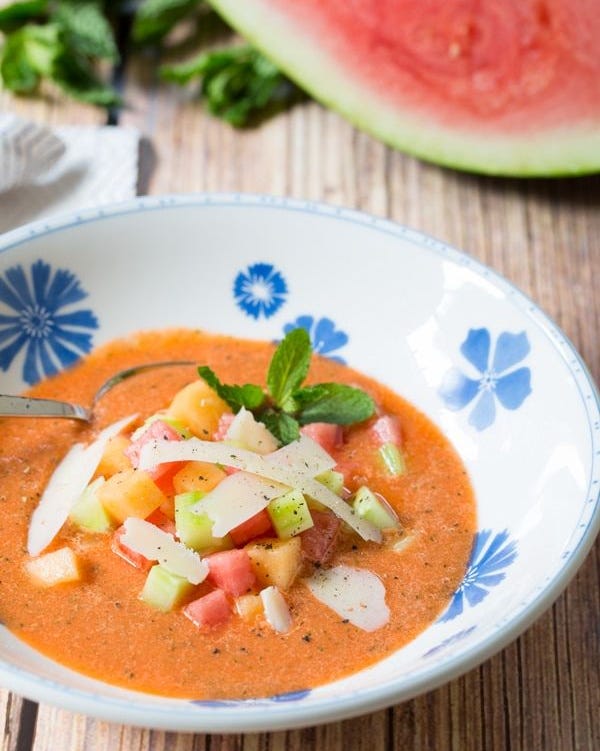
(318, 542)
(224, 422)
(327, 435)
(258, 525)
(127, 554)
(387, 430)
(231, 571)
(163, 473)
(210, 610)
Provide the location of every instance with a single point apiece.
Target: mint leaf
(154, 19)
(238, 83)
(86, 29)
(289, 367)
(16, 14)
(249, 395)
(283, 427)
(76, 76)
(334, 403)
(27, 55)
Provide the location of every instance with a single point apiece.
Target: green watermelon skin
(504, 87)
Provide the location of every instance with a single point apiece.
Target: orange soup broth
(101, 628)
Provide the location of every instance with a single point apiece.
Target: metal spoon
(27, 406)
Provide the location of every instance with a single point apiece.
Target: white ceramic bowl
(478, 357)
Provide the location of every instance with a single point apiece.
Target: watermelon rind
(551, 152)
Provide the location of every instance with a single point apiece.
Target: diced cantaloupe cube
(200, 476)
(130, 493)
(198, 406)
(114, 458)
(249, 607)
(276, 562)
(59, 567)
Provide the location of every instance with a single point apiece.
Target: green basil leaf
(334, 403)
(249, 395)
(283, 426)
(289, 366)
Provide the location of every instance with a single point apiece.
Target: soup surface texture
(100, 627)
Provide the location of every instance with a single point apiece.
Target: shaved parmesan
(247, 432)
(276, 610)
(68, 481)
(354, 594)
(304, 456)
(236, 499)
(274, 466)
(156, 545)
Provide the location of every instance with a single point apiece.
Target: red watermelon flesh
(506, 86)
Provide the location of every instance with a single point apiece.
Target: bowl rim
(246, 716)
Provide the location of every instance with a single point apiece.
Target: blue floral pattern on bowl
(41, 321)
(495, 380)
(324, 336)
(260, 290)
(486, 569)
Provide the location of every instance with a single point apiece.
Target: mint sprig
(238, 84)
(249, 396)
(285, 405)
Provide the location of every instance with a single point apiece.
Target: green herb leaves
(287, 405)
(69, 41)
(60, 41)
(288, 368)
(238, 83)
(249, 396)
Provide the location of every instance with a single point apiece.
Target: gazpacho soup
(262, 521)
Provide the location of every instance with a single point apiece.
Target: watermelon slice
(499, 86)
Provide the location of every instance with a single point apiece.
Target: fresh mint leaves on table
(286, 405)
(66, 41)
(62, 41)
(238, 83)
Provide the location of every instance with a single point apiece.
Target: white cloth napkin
(47, 171)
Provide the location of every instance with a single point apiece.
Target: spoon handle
(24, 406)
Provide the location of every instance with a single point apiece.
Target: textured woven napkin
(47, 171)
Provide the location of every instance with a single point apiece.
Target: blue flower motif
(261, 290)
(488, 560)
(325, 338)
(52, 339)
(499, 379)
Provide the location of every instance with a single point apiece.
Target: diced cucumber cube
(332, 480)
(392, 458)
(290, 514)
(195, 530)
(373, 509)
(164, 590)
(88, 512)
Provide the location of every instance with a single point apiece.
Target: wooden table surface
(542, 693)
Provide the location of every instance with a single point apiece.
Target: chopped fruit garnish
(164, 590)
(59, 567)
(212, 609)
